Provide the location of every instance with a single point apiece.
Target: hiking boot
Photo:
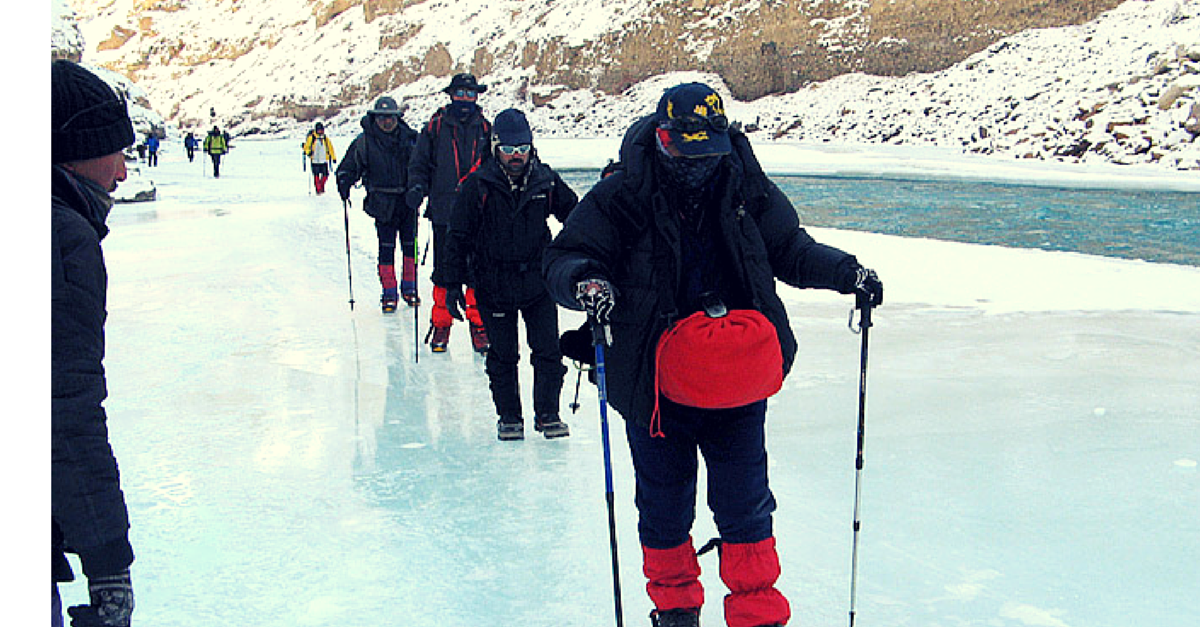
(410, 296)
(551, 426)
(479, 338)
(438, 339)
(510, 428)
(682, 617)
(388, 300)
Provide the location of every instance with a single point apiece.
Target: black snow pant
(216, 159)
(404, 226)
(541, 331)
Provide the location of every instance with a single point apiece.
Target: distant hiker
(497, 232)
(216, 144)
(319, 151)
(152, 149)
(379, 156)
(453, 143)
(89, 130)
(677, 253)
(190, 144)
(141, 150)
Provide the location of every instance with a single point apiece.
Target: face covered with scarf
(688, 174)
(692, 135)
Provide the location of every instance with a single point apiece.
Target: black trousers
(733, 444)
(404, 226)
(541, 331)
(216, 159)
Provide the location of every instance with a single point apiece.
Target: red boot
(750, 571)
(673, 578)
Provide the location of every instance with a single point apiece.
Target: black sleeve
(461, 234)
(349, 170)
(586, 247)
(87, 503)
(796, 258)
(563, 199)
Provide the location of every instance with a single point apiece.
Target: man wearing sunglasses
(498, 230)
(452, 145)
(691, 229)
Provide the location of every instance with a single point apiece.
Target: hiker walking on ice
(498, 230)
(379, 158)
(677, 253)
(454, 142)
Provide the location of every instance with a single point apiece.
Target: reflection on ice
(1030, 453)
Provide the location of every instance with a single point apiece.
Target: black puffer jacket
(381, 160)
(88, 513)
(625, 231)
(446, 151)
(498, 233)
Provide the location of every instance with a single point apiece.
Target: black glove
(576, 345)
(597, 298)
(414, 196)
(867, 288)
(455, 301)
(112, 603)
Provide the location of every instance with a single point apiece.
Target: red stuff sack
(718, 363)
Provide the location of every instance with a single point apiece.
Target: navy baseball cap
(692, 122)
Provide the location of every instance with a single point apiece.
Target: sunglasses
(464, 93)
(694, 124)
(523, 149)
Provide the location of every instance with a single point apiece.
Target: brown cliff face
(759, 47)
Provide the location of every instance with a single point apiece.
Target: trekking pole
(417, 303)
(349, 274)
(600, 339)
(578, 379)
(864, 326)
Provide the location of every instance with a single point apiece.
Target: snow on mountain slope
(1124, 88)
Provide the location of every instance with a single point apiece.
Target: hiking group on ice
(674, 256)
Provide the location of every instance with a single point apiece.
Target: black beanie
(87, 118)
(511, 129)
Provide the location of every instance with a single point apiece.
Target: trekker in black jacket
(90, 128)
(497, 233)
(379, 156)
(690, 234)
(453, 143)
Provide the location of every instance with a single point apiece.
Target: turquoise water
(1129, 224)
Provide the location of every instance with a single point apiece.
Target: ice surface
(1030, 456)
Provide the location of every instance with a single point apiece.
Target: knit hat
(692, 122)
(87, 118)
(511, 129)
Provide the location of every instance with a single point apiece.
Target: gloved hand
(597, 297)
(455, 301)
(414, 196)
(112, 603)
(867, 288)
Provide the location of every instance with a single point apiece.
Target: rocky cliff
(758, 47)
(995, 76)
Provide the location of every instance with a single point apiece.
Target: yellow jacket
(310, 144)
